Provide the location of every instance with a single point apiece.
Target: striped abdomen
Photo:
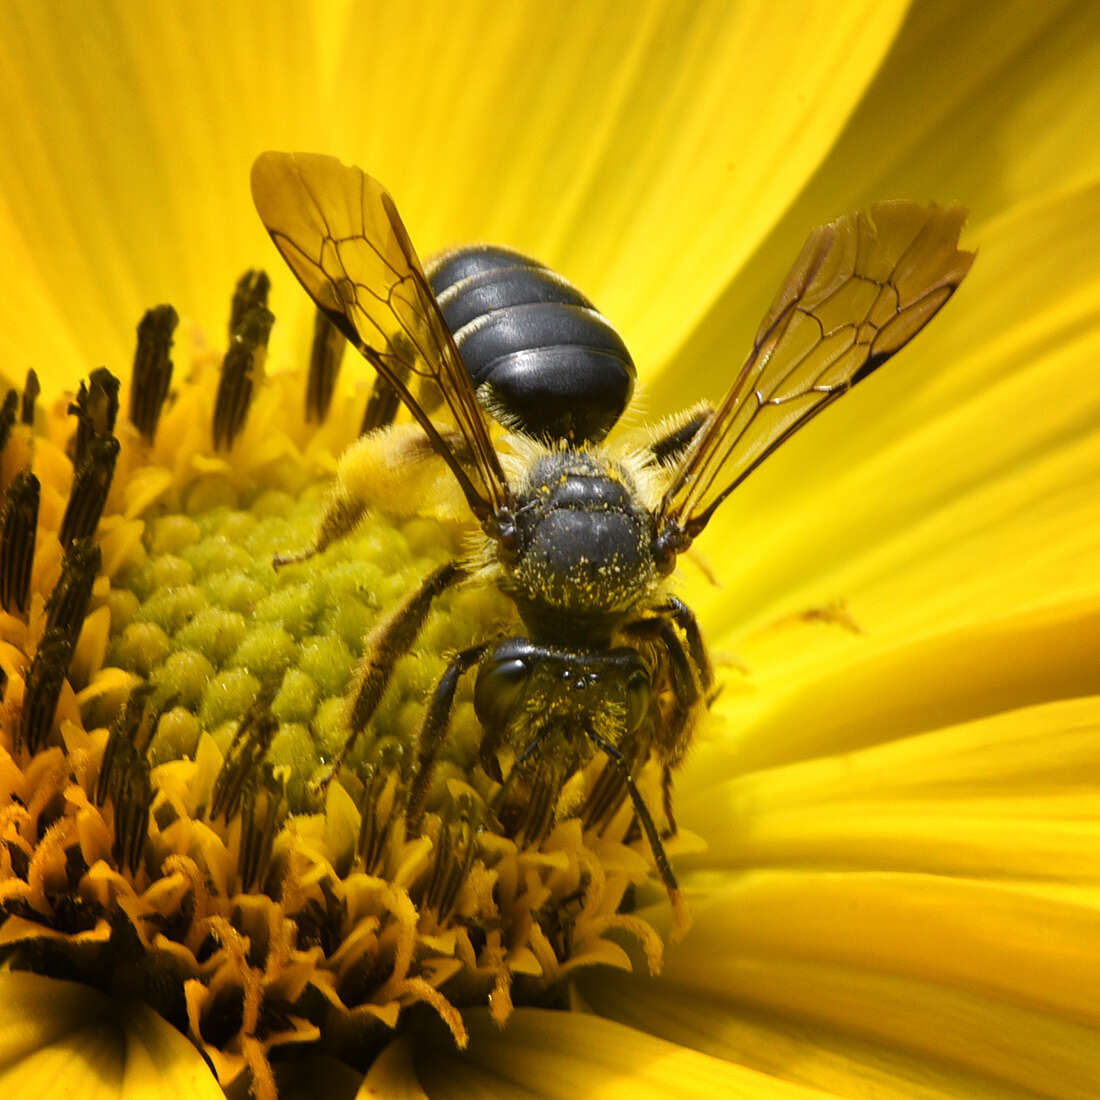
(542, 360)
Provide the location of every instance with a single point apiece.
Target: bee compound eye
(637, 699)
(499, 687)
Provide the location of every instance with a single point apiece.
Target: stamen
(44, 683)
(382, 406)
(152, 373)
(250, 292)
(31, 390)
(131, 730)
(68, 602)
(7, 417)
(95, 409)
(132, 798)
(381, 804)
(18, 520)
(263, 807)
(91, 483)
(243, 367)
(325, 357)
(455, 848)
(242, 762)
(607, 795)
(536, 815)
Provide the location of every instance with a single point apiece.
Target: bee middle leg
(389, 641)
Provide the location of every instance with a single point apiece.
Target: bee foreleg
(685, 619)
(664, 868)
(683, 659)
(675, 663)
(434, 728)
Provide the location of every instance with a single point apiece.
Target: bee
(582, 535)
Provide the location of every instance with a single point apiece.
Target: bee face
(581, 536)
(529, 692)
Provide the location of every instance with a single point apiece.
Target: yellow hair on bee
(394, 470)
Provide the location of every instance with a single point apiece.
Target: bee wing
(340, 232)
(862, 287)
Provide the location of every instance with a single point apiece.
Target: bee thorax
(585, 539)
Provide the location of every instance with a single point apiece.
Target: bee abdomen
(553, 366)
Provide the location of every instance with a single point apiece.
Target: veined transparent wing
(862, 287)
(340, 233)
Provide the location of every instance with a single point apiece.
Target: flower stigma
(182, 645)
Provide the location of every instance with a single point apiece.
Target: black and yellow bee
(582, 535)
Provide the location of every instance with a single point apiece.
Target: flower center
(175, 705)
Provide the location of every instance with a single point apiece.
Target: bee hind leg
(342, 515)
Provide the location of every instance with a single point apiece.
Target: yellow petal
(794, 1049)
(63, 1039)
(986, 104)
(950, 504)
(937, 896)
(1031, 1049)
(594, 135)
(643, 149)
(309, 1077)
(566, 1055)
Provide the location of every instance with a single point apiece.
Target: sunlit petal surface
(988, 104)
(62, 1039)
(901, 851)
(560, 1055)
(952, 510)
(598, 158)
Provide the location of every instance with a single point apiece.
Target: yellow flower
(898, 789)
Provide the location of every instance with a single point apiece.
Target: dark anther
(95, 409)
(529, 816)
(44, 682)
(381, 803)
(91, 482)
(131, 733)
(18, 519)
(251, 291)
(263, 810)
(7, 417)
(242, 761)
(132, 797)
(124, 773)
(30, 395)
(607, 795)
(242, 368)
(68, 602)
(455, 848)
(152, 374)
(382, 406)
(324, 367)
